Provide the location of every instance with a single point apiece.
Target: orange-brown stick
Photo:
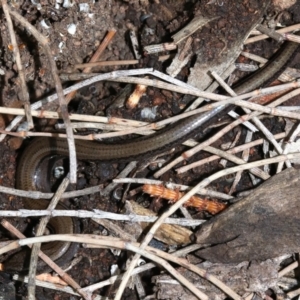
(211, 206)
(94, 58)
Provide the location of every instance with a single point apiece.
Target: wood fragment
(263, 225)
(167, 233)
(197, 23)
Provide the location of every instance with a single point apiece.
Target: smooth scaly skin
(133, 150)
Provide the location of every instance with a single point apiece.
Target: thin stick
(270, 32)
(292, 37)
(114, 74)
(232, 151)
(256, 121)
(293, 294)
(115, 62)
(47, 260)
(211, 88)
(111, 33)
(287, 145)
(235, 100)
(264, 36)
(148, 266)
(98, 189)
(172, 257)
(256, 171)
(62, 103)
(40, 231)
(254, 57)
(96, 214)
(288, 269)
(107, 242)
(107, 63)
(187, 196)
(134, 98)
(172, 185)
(112, 242)
(53, 97)
(24, 91)
(211, 96)
(53, 286)
(171, 270)
(201, 146)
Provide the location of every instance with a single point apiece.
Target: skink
(135, 149)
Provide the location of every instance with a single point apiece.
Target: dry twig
(96, 214)
(94, 58)
(40, 231)
(76, 86)
(264, 36)
(47, 259)
(24, 91)
(107, 242)
(62, 103)
(148, 252)
(185, 198)
(201, 146)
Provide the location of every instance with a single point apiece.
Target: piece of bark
(222, 43)
(242, 278)
(167, 233)
(263, 225)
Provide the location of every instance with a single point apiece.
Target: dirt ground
(154, 23)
